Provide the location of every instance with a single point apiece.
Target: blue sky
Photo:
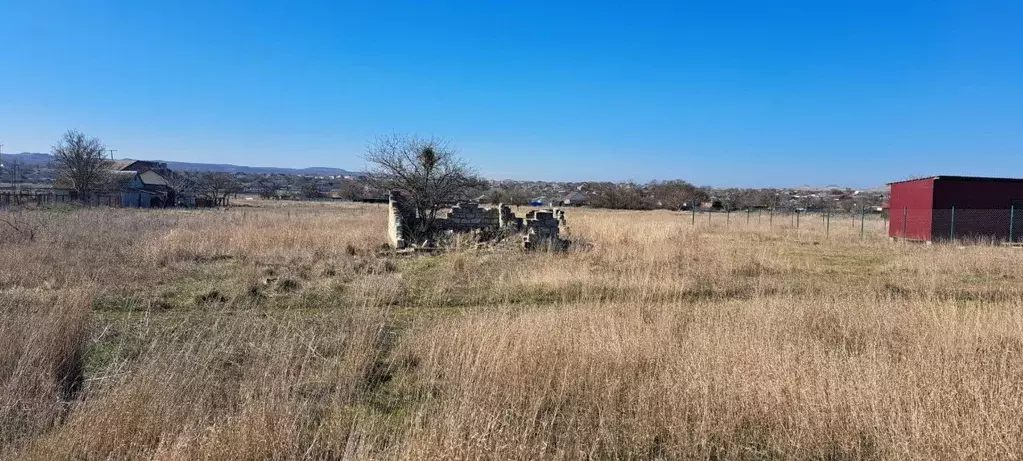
(725, 93)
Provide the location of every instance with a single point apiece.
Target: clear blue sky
(758, 93)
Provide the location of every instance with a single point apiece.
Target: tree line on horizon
(429, 171)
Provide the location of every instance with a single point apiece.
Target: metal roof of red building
(960, 178)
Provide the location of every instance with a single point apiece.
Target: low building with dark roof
(143, 190)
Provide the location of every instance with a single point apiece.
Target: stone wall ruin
(540, 228)
(543, 228)
(466, 217)
(400, 217)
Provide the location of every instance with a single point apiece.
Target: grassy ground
(290, 332)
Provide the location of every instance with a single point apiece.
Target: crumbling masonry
(543, 228)
(540, 228)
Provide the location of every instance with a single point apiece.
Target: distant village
(150, 184)
(681, 195)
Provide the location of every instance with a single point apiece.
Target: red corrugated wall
(915, 199)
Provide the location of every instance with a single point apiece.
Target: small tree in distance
(308, 189)
(81, 163)
(217, 186)
(267, 187)
(352, 190)
(183, 185)
(676, 194)
(426, 170)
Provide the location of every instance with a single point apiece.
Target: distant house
(143, 190)
(155, 187)
(575, 199)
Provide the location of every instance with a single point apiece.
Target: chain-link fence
(928, 225)
(825, 224)
(958, 224)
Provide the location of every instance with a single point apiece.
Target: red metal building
(943, 207)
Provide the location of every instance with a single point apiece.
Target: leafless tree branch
(426, 170)
(81, 163)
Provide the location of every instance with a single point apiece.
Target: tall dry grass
(285, 332)
(42, 355)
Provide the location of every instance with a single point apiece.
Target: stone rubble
(541, 228)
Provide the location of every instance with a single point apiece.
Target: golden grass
(286, 332)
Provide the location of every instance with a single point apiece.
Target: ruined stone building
(539, 229)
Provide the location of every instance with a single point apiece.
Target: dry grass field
(286, 332)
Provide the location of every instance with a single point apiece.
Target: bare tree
(81, 163)
(309, 189)
(217, 186)
(426, 170)
(625, 196)
(267, 187)
(676, 195)
(182, 184)
(352, 190)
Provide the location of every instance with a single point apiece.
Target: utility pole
(112, 153)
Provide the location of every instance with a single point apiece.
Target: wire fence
(958, 224)
(859, 224)
(981, 226)
(36, 198)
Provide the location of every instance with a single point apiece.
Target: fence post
(770, 219)
(797, 223)
(1012, 220)
(728, 217)
(827, 224)
(694, 214)
(747, 216)
(862, 215)
(952, 228)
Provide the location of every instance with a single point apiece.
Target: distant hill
(227, 168)
(27, 158)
